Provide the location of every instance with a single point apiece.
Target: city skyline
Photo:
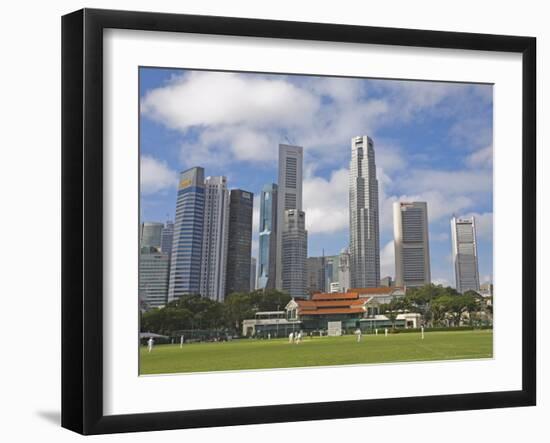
(412, 151)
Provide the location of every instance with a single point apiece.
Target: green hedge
(438, 329)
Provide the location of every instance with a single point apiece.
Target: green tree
(238, 307)
(392, 310)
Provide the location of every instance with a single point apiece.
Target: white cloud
(326, 202)
(484, 225)
(441, 281)
(389, 157)
(440, 237)
(472, 133)
(244, 116)
(155, 175)
(482, 158)
(222, 98)
(387, 260)
(413, 97)
(450, 182)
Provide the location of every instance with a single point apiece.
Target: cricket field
(316, 351)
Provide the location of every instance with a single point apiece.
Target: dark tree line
(196, 312)
(440, 306)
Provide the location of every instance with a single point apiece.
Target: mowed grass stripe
(316, 351)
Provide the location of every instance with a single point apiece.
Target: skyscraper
(464, 241)
(315, 275)
(214, 239)
(239, 245)
(289, 196)
(344, 278)
(185, 263)
(294, 253)
(267, 274)
(412, 251)
(363, 215)
(166, 238)
(253, 273)
(154, 269)
(331, 271)
(150, 235)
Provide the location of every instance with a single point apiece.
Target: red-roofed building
(337, 306)
(359, 307)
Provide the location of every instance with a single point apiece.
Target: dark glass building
(267, 260)
(239, 247)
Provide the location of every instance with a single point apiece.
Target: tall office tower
(253, 273)
(185, 263)
(167, 238)
(154, 269)
(151, 234)
(363, 215)
(239, 245)
(267, 274)
(412, 250)
(289, 195)
(465, 262)
(294, 253)
(315, 274)
(331, 271)
(344, 278)
(214, 240)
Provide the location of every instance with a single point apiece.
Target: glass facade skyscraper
(268, 238)
(215, 237)
(289, 196)
(154, 268)
(185, 265)
(167, 237)
(151, 234)
(363, 215)
(412, 250)
(465, 261)
(294, 253)
(239, 246)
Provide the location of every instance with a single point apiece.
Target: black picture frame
(82, 218)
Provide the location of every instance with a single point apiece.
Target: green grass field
(316, 351)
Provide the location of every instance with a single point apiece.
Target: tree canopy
(196, 312)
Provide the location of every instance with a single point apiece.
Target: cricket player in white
(290, 337)
(358, 334)
(150, 344)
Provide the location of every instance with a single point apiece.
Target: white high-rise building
(253, 273)
(151, 234)
(363, 215)
(464, 241)
(289, 196)
(167, 238)
(154, 269)
(294, 253)
(412, 250)
(344, 279)
(215, 238)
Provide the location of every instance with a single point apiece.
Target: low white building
(274, 323)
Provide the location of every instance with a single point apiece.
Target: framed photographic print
(269, 221)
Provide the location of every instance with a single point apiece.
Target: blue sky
(432, 141)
